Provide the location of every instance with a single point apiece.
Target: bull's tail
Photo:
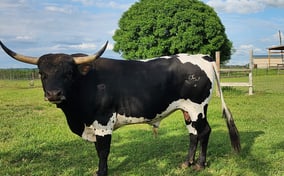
(233, 131)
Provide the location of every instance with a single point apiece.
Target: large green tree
(151, 28)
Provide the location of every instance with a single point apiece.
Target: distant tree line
(19, 74)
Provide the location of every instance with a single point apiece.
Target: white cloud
(84, 46)
(89, 46)
(244, 50)
(242, 54)
(53, 8)
(114, 5)
(122, 5)
(24, 38)
(236, 6)
(11, 4)
(274, 3)
(85, 2)
(243, 6)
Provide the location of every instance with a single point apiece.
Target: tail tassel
(233, 131)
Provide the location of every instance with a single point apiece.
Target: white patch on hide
(122, 120)
(89, 133)
(156, 124)
(198, 60)
(96, 128)
(192, 108)
(191, 130)
(102, 130)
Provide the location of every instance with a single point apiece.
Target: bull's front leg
(193, 141)
(103, 148)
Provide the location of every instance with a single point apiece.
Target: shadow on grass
(253, 163)
(75, 157)
(138, 154)
(234, 91)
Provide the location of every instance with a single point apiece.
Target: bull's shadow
(172, 150)
(142, 155)
(53, 158)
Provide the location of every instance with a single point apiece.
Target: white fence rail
(248, 84)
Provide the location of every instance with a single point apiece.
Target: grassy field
(35, 139)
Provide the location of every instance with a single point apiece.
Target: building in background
(273, 59)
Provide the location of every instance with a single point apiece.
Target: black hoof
(198, 167)
(100, 174)
(186, 164)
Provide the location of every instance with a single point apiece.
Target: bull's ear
(85, 68)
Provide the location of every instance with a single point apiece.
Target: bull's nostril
(57, 92)
(53, 94)
(48, 93)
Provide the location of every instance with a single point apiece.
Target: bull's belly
(122, 119)
(115, 122)
(118, 120)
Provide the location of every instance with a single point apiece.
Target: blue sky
(34, 28)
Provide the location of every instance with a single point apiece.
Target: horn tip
(2, 45)
(7, 50)
(105, 45)
(101, 51)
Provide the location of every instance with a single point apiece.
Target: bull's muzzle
(54, 96)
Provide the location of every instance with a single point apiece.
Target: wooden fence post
(250, 73)
(248, 84)
(217, 57)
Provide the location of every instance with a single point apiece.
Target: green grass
(35, 138)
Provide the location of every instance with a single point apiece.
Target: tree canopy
(155, 28)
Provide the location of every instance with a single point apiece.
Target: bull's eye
(43, 75)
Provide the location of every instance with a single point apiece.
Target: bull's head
(57, 71)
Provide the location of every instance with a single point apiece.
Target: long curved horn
(19, 57)
(87, 59)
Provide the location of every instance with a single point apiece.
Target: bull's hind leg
(203, 137)
(204, 131)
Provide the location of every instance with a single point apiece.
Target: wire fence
(19, 74)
